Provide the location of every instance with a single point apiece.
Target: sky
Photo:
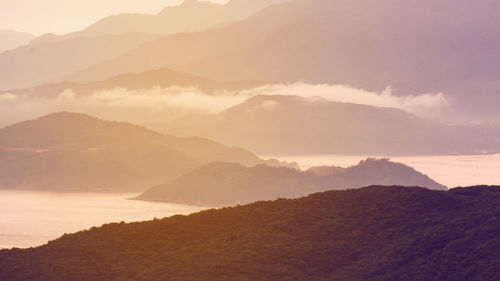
(64, 16)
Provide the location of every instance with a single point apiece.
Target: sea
(451, 171)
(32, 218)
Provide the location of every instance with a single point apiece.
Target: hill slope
(366, 44)
(163, 78)
(68, 151)
(222, 184)
(10, 39)
(292, 125)
(111, 37)
(191, 15)
(40, 62)
(374, 233)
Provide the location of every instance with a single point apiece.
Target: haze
(64, 16)
(334, 139)
(151, 106)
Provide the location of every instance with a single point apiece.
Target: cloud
(265, 105)
(147, 107)
(424, 105)
(159, 105)
(160, 99)
(7, 97)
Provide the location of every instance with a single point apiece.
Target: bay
(32, 218)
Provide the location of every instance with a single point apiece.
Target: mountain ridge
(42, 62)
(448, 49)
(223, 184)
(93, 43)
(188, 16)
(375, 233)
(162, 78)
(68, 151)
(293, 125)
(10, 39)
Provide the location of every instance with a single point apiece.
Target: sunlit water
(31, 218)
(452, 171)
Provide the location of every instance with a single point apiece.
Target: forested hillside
(374, 233)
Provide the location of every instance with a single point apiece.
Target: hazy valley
(331, 139)
(68, 151)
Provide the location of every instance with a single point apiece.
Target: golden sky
(63, 16)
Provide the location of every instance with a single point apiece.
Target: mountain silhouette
(189, 16)
(111, 37)
(163, 78)
(10, 39)
(69, 151)
(222, 184)
(292, 125)
(414, 46)
(41, 62)
(374, 233)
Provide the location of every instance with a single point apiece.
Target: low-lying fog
(147, 107)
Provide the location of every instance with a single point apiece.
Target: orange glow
(64, 16)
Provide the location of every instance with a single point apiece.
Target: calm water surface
(31, 218)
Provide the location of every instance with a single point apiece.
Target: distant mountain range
(292, 125)
(374, 233)
(189, 16)
(68, 151)
(222, 184)
(10, 39)
(371, 44)
(414, 46)
(162, 78)
(42, 62)
(51, 58)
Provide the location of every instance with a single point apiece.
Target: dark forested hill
(374, 233)
(69, 151)
(221, 184)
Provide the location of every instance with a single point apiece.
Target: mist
(424, 105)
(156, 105)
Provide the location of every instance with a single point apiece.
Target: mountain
(222, 184)
(370, 44)
(163, 78)
(10, 39)
(39, 62)
(69, 151)
(189, 16)
(292, 125)
(374, 233)
(111, 37)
